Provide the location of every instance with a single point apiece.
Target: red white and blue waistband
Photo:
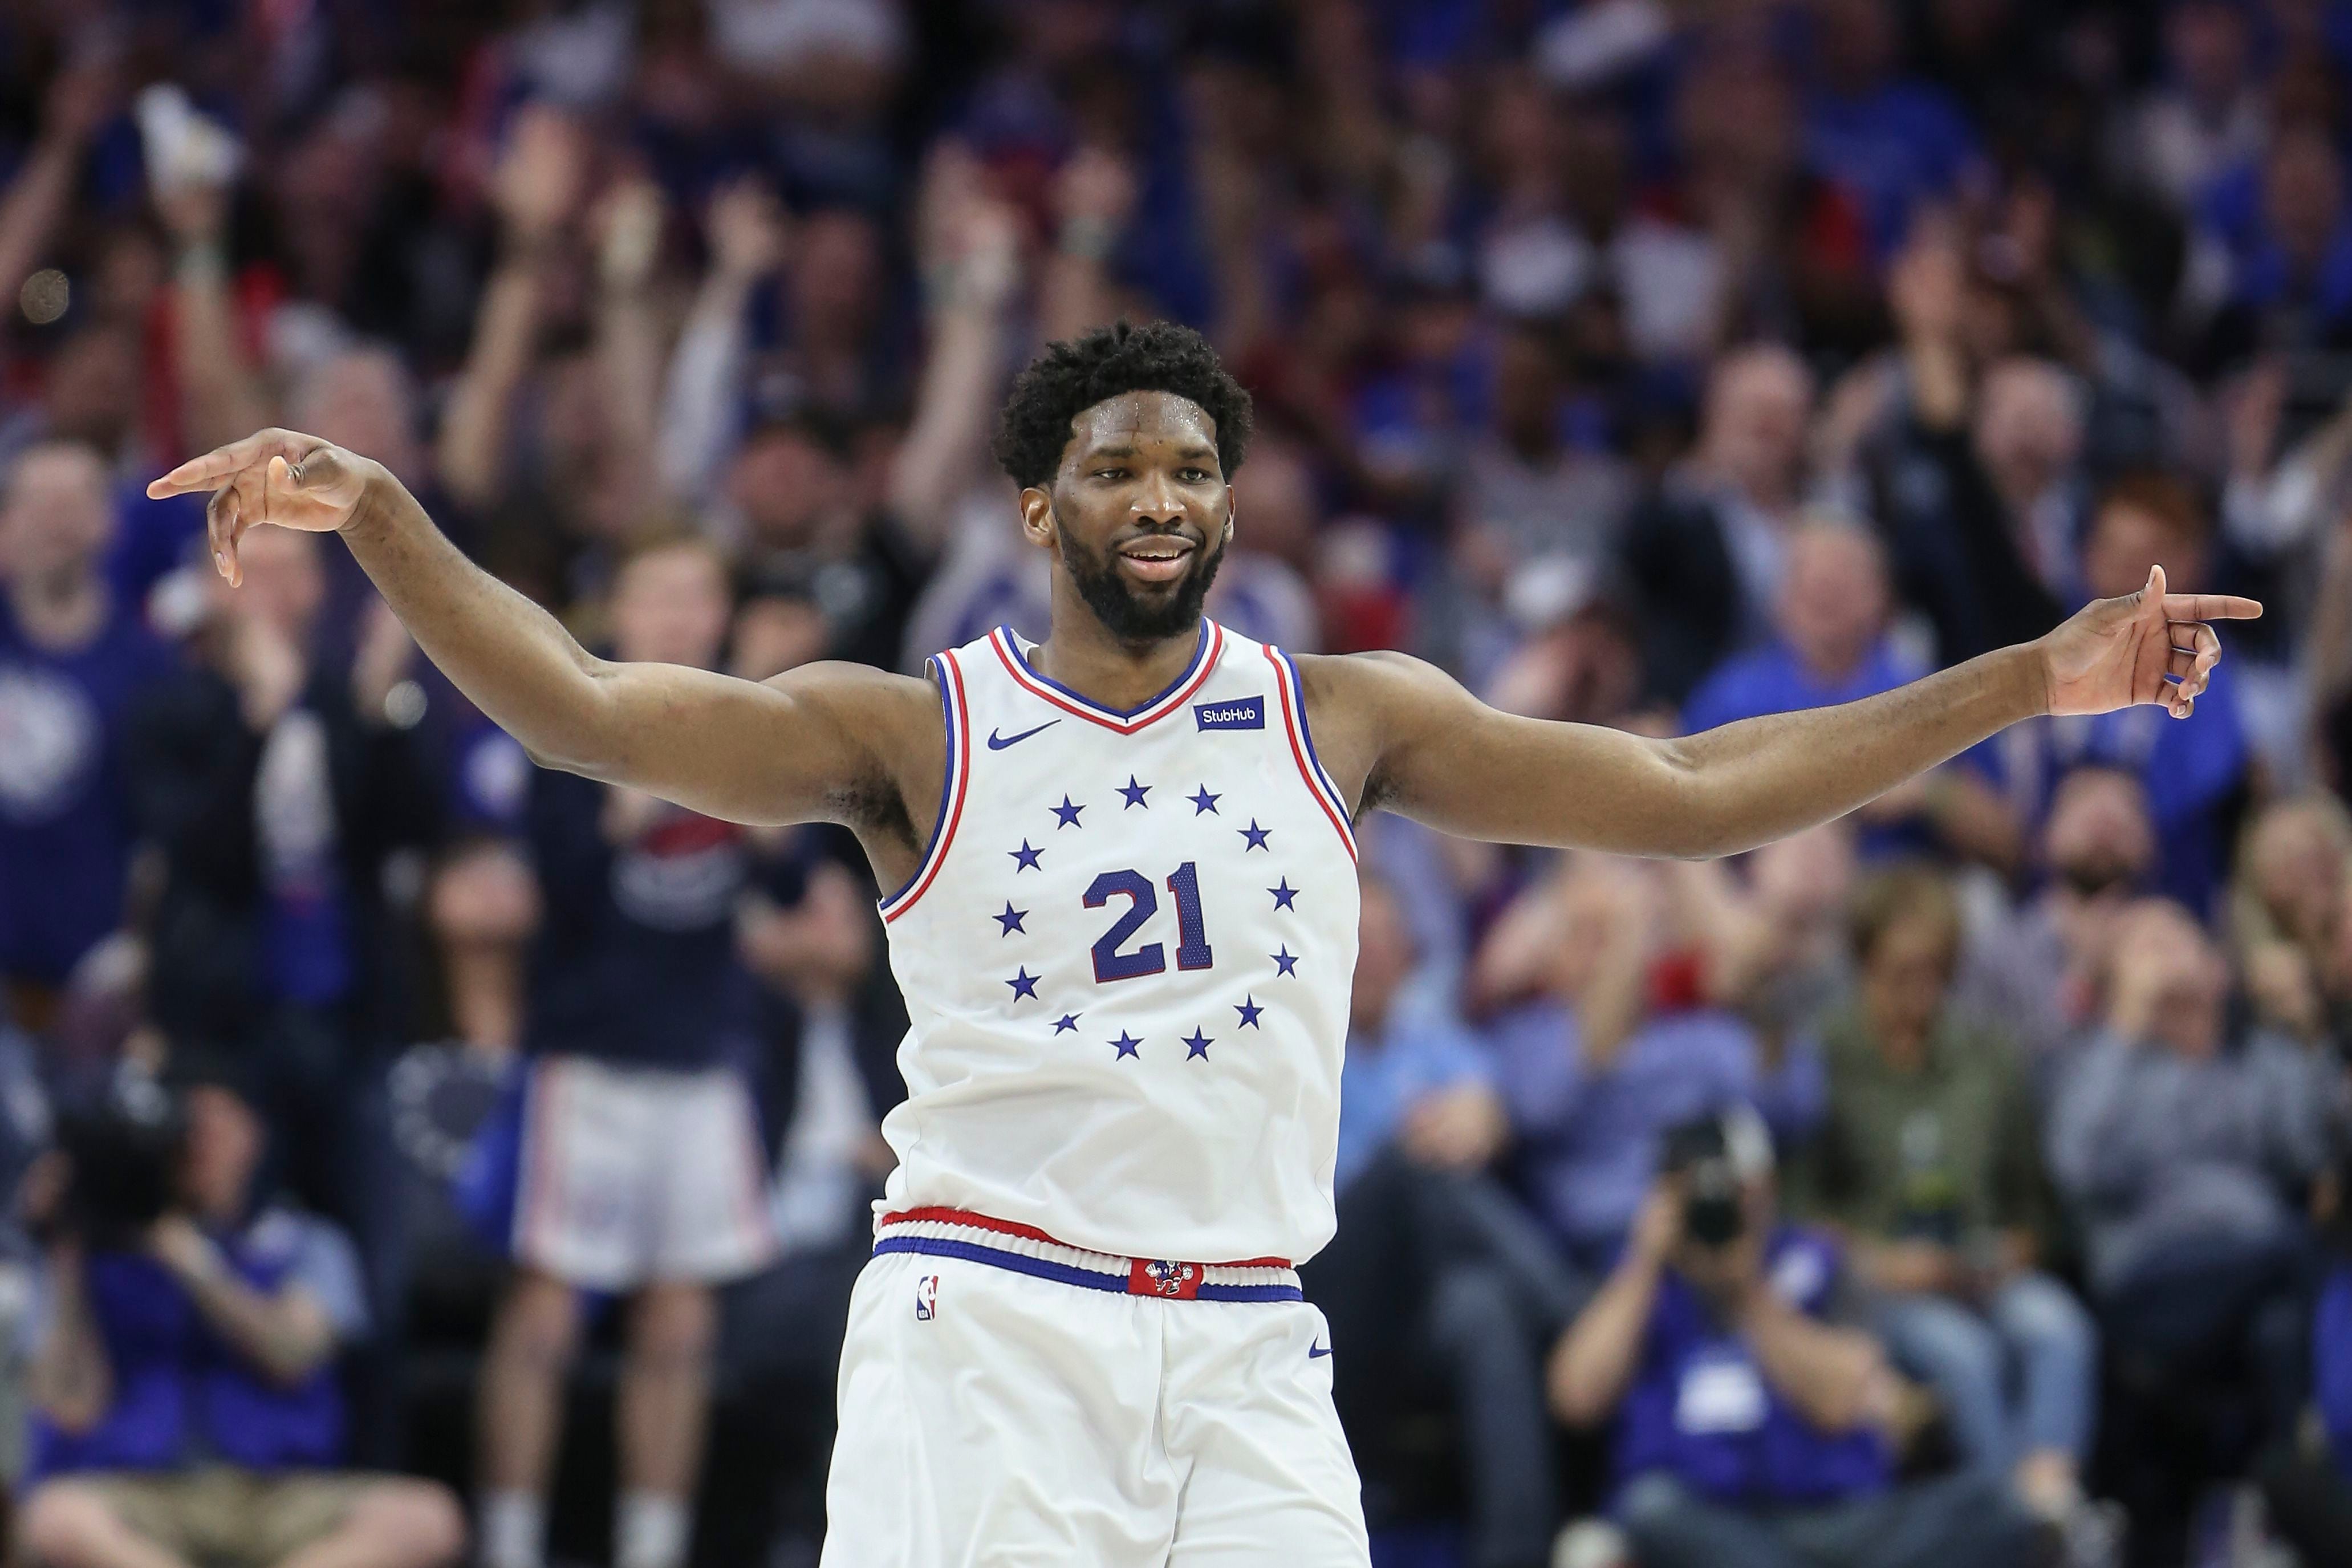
(1025, 1250)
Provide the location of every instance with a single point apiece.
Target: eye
(1193, 475)
(1110, 473)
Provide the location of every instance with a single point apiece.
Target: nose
(1156, 500)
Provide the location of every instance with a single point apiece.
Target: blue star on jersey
(1283, 894)
(1197, 1045)
(1068, 815)
(1066, 1024)
(1285, 962)
(1011, 919)
(1249, 1010)
(1125, 1045)
(1024, 859)
(1256, 835)
(1024, 984)
(1204, 801)
(1135, 793)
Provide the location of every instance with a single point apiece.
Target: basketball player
(1124, 918)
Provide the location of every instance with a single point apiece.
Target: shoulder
(879, 702)
(1372, 679)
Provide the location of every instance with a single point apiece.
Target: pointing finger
(2210, 607)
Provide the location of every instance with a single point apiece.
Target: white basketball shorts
(636, 1176)
(1007, 1402)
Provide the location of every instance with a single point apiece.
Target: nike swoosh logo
(997, 743)
(1314, 1350)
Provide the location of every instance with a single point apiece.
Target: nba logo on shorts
(926, 1298)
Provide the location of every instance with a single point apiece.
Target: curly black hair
(1071, 377)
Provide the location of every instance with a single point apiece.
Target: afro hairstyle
(1071, 377)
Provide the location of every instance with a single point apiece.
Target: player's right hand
(279, 477)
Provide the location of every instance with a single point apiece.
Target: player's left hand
(2113, 653)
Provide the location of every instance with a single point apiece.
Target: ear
(1037, 517)
(1231, 511)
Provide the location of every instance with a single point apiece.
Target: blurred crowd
(1953, 1182)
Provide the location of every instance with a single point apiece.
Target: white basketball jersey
(1127, 958)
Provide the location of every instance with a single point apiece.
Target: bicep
(1444, 758)
(802, 747)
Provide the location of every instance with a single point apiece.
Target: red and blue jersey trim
(1025, 1250)
(1293, 693)
(1205, 654)
(956, 716)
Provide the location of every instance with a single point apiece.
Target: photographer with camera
(1753, 1426)
(184, 1380)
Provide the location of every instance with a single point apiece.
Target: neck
(60, 609)
(1082, 654)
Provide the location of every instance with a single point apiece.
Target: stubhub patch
(1241, 713)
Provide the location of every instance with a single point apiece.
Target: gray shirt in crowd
(2154, 1149)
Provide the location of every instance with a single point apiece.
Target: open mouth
(1158, 559)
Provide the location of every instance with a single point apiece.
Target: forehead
(1141, 418)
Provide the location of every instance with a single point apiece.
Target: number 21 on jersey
(1192, 950)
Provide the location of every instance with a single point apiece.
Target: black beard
(1123, 613)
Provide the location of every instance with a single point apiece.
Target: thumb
(2155, 588)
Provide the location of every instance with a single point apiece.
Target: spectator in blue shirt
(1752, 1423)
(73, 654)
(1593, 1076)
(1436, 1288)
(2195, 771)
(1829, 644)
(187, 1400)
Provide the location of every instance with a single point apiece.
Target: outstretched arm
(809, 745)
(1422, 746)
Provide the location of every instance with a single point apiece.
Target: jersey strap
(957, 715)
(1287, 687)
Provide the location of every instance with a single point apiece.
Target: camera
(1716, 1156)
(124, 1149)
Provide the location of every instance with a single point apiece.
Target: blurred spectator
(2183, 1147)
(1597, 1069)
(2208, 114)
(640, 1152)
(2194, 771)
(2289, 918)
(185, 1377)
(1927, 1161)
(2308, 1479)
(1971, 479)
(73, 661)
(1895, 141)
(1436, 1278)
(1706, 553)
(1831, 645)
(2041, 972)
(278, 788)
(1752, 1421)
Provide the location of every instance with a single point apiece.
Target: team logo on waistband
(1169, 1278)
(1239, 713)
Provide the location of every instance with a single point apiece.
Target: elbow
(1690, 823)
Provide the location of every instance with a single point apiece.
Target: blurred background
(1645, 362)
